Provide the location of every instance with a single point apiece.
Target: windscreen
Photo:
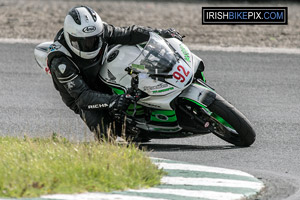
(156, 58)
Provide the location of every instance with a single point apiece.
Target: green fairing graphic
(203, 77)
(139, 109)
(142, 67)
(169, 114)
(164, 90)
(117, 91)
(185, 53)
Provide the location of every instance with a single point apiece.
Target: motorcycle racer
(75, 58)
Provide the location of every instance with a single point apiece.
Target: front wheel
(230, 124)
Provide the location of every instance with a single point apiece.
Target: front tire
(241, 132)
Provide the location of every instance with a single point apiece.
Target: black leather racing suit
(77, 80)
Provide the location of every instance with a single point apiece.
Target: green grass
(33, 167)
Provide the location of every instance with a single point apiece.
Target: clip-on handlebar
(133, 93)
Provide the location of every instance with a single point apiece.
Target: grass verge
(33, 167)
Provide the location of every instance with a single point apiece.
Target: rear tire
(244, 134)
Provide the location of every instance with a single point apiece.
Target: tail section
(40, 53)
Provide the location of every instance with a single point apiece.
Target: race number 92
(181, 74)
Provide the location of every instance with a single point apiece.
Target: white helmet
(83, 31)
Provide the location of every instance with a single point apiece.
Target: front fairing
(162, 68)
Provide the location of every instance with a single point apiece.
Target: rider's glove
(171, 33)
(118, 104)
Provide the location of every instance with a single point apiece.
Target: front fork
(201, 116)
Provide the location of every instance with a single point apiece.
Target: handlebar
(133, 93)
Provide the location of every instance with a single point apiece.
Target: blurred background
(41, 19)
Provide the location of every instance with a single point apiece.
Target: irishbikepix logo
(245, 15)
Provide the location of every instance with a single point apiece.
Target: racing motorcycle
(170, 96)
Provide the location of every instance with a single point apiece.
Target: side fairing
(160, 102)
(154, 87)
(113, 72)
(118, 59)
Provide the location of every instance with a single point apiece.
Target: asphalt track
(265, 87)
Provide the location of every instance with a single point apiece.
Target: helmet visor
(86, 44)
